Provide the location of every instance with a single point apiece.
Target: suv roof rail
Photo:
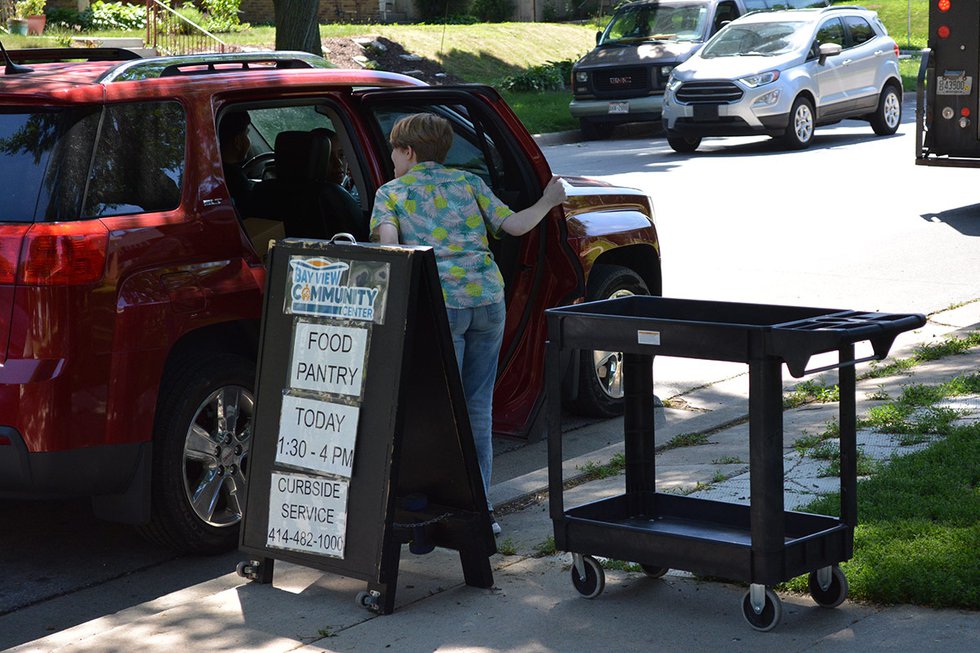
(53, 55)
(851, 7)
(205, 64)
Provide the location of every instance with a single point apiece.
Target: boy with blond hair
(453, 212)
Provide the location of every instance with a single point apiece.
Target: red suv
(131, 284)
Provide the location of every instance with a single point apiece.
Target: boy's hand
(554, 192)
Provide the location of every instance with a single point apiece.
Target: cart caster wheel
(368, 600)
(829, 591)
(248, 569)
(767, 618)
(590, 579)
(654, 572)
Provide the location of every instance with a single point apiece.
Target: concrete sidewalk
(533, 606)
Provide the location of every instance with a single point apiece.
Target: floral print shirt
(453, 212)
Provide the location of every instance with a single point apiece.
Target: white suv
(782, 73)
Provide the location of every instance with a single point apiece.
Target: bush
(69, 19)
(438, 10)
(117, 16)
(174, 25)
(552, 76)
(493, 11)
(222, 16)
(25, 8)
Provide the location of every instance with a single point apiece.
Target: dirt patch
(379, 53)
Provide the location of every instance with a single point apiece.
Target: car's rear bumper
(87, 471)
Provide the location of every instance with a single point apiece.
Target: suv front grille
(708, 92)
(631, 79)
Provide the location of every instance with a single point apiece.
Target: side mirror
(598, 37)
(828, 50)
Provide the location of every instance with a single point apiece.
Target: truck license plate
(619, 107)
(959, 85)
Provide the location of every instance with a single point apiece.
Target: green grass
(809, 392)
(546, 548)
(594, 470)
(928, 352)
(686, 440)
(913, 413)
(919, 528)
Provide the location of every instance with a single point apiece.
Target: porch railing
(171, 33)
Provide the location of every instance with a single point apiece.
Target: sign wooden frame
(411, 476)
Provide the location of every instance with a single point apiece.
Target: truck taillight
(63, 253)
(943, 31)
(943, 5)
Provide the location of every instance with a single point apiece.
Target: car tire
(201, 449)
(600, 389)
(684, 144)
(595, 131)
(888, 116)
(799, 131)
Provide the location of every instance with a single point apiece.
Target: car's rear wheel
(888, 115)
(600, 382)
(684, 144)
(799, 132)
(202, 441)
(595, 131)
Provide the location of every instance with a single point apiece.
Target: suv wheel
(888, 115)
(202, 438)
(799, 131)
(600, 382)
(684, 144)
(595, 131)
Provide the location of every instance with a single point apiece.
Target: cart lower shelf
(712, 538)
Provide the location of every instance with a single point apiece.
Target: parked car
(622, 80)
(783, 73)
(131, 286)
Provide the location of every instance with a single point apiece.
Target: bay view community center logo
(319, 286)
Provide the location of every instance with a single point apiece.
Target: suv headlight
(761, 79)
(581, 76)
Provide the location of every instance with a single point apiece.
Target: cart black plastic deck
(761, 543)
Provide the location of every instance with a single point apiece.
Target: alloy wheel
(216, 451)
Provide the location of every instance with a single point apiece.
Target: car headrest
(302, 156)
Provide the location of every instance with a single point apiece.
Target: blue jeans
(477, 335)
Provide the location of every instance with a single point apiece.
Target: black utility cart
(760, 543)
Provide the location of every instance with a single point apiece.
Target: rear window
(26, 143)
(52, 169)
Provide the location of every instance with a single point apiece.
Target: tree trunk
(296, 25)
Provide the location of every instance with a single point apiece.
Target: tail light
(897, 51)
(53, 254)
(11, 239)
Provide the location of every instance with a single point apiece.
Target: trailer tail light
(943, 5)
(63, 253)
(943, 32)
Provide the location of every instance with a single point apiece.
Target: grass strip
(919, 527)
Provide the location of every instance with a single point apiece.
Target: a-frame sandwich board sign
(361, 438)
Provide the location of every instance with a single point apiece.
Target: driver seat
(296, 194)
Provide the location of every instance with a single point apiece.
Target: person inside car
(234, 143)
